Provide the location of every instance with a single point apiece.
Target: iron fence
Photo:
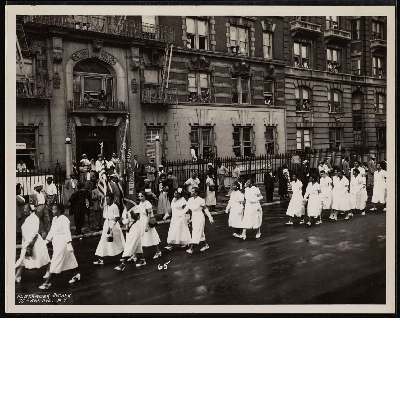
(28, 178)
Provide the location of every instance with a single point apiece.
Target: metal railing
(33, 89)
(97, 105)
(303, 25)
(255, 167)
(157, 96)
(113, 25)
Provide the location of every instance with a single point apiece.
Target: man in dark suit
(269, 183)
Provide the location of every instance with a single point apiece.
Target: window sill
(335, 112)
(303, 112)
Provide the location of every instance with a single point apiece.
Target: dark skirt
(283, 185)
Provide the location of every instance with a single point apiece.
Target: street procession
(201, 160)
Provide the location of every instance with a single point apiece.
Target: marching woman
(211, 200)
(178, 232)
(112, 240)
(235, 209)
(296, 204)
(252, 217)
(133, 244)
(63, 257)
(379, 191)
(313, 195)
(326, 193)
(34, 252)
(149, 234)
(341, 196)
(358, 199)
(196, 204)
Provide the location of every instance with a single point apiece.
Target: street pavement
(339, 262)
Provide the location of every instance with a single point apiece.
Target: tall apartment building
(222, 85)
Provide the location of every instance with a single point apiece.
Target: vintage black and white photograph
(227, 160)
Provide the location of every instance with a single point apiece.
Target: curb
(98, 233)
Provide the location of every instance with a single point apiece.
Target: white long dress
(379, 191)
(326, 192)
(252, 217)
(115, 247)
(133, 243)
(198, 220)
(341, 195)
(236, 209)
(210, 195)
(149, 238)
(358, 199)
(296, 205)
(40, 254)
(313, 194)
(60, 233)
(178, 232)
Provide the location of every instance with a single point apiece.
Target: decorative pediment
(242, 69)
(243, 119)
(80, 55)
(199, 64)
(108, 58)
(267, 25)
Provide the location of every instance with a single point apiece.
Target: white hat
(161, 166)
(37, 184)
(49, 177)
(210, 164)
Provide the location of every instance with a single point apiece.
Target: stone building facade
(224, 86)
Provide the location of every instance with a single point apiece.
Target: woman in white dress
(252, 217)
(313, 196)
(296, 204)
(211, 200)
(34, 252)
(178, 232)
(326, 193)
(358, 200)
(235, 208)
(133, 243)
(341, 196)
(149, 234)
(63, 258)
(196, 205)
(379, 191)
(112, 240)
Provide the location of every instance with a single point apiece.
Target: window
(151, 133)
(380, 105)
(335, 138)
(151, 76)
(242, 141)
(269, 93)
(199, 87)
(239, 39)
(355, 29)
(333, 60)
(378, 67)
(301, 55)
(357, 119)
(303, 99)
(149, 27)
(90, 78)
(267, 45)
(356, 66)
(377, 30)
(381, 135)
(201, 139)
(303, 139)
(269, 140)
(332, 22)
(26, 147)
(197, 34)
(334, 104)
(302, 18)
(240, 86)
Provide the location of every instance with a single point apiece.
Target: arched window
(335, 103)
(91, 77)
(303, 98)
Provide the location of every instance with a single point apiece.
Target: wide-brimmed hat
(146, 180)
(49, 177)
(37, 184)
(209, 164)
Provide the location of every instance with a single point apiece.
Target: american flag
(129, 158)
(103, 180)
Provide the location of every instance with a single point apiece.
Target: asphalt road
(339, 262)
